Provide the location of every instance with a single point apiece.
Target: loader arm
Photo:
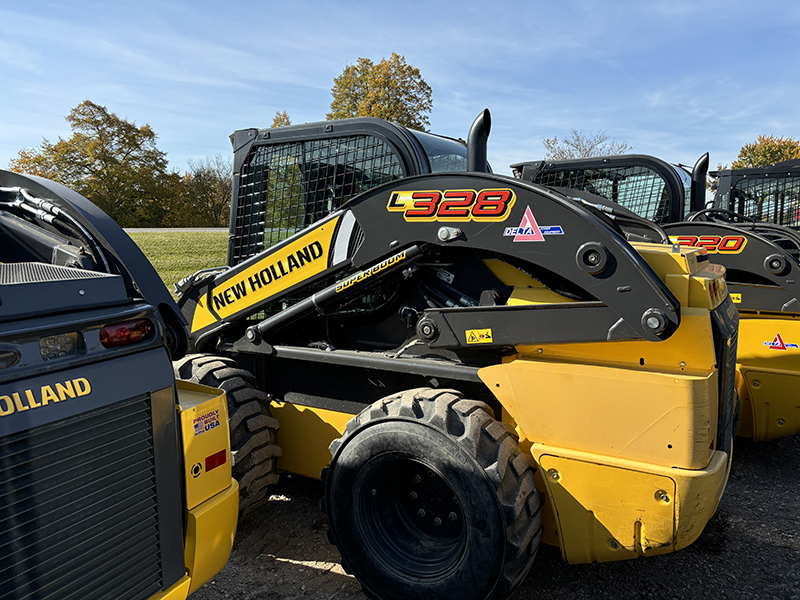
(382, 233)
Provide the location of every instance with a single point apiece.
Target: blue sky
(672, 78)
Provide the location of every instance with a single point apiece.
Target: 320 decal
(453, 205)
(714, 244)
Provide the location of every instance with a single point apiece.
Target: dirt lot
(750, 549)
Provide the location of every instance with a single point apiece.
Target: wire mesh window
(286, 187)
(776, 200)
(638, 189)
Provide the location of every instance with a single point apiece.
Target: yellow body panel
(669, 420)
(179, 591)
(206, 441)
(212, 496)
(305, 435)
(768, 375)
(210, 529)
(601, 509)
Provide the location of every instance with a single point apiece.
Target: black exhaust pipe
(699, 171)
(476, 142)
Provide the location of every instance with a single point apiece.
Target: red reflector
(215, 460)
(122, 334)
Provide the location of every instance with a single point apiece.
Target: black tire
(428, 496)
(253, 429)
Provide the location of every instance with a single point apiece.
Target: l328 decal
(453, 205)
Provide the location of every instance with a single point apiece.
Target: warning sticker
(479, 336)
(206, 422)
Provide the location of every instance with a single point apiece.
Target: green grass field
(175, 253)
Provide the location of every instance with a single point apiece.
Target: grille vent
(33, 272)
(78, 510)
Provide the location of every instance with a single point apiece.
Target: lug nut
(417, 479)
(420, 513)
(452, 516)
(413, 495)
(437, 521)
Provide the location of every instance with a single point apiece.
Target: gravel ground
(750, 549)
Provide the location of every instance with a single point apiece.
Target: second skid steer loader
(473, 363)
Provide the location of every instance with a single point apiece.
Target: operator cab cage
(652, 188)
(770, 194)
(289, 177)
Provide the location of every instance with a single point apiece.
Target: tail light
(123, 334)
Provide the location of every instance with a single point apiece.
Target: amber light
(123, 334)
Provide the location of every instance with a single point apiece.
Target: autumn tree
(578, 145)
(205, 198)
(281, 119)
(391, 89)
(113, 162)
(767, 150)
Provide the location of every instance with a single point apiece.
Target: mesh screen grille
(286, 187)
(776, 200)
(31, 272)
(78, 511)
(638, 188)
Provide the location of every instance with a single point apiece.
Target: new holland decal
(530, 231)
(44, 395)
(289, 265)
(452, 205)
(779, 344)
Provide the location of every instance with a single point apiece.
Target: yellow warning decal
(736, 298)
(278, 271)
(479, 336)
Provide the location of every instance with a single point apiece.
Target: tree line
(118, 165)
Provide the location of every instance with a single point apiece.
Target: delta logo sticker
(530, 231)
(779, 344)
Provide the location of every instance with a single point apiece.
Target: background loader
(760, 258)
(473, 363)
(115, 480)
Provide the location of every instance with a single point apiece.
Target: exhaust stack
(476, 142)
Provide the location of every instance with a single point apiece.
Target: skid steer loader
(115, 480)
(472, 363)
(766, 194)
(760, 258)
